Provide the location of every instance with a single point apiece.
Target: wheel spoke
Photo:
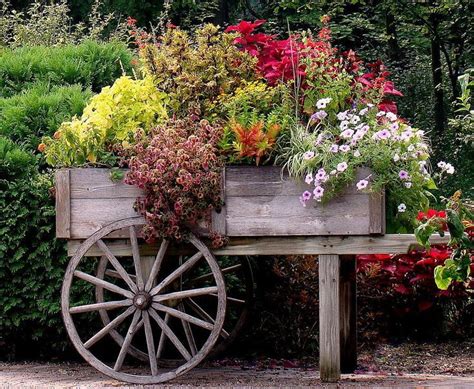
(150, 343)
(116, 264)
(180, 314)
(157, 264)
(95, 307)
(185, 293)
(109, 327)
(201, 312)
(211, 275)
(175, 274)
(103, 284)
(170, 334)
(115, 274)
(161, 342)
(231, 299)
(136, 258)
(188, 332)
(128, 340)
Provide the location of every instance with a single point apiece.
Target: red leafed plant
(178, 166)
(253, 141)
(410, 276)
(280, 60)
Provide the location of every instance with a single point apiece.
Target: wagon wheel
(142, 309)
(240, 299)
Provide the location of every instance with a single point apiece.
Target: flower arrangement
(328, 151)
(244, 96)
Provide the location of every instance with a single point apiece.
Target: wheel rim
(148, 302)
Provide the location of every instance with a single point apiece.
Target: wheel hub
(142, 300)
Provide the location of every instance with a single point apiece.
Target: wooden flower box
(259, 202)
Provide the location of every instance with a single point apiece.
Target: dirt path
(404, 366)
(82, 376)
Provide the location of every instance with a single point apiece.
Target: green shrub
(39, 111)
(51, 24)
(90, 64)
(32, 264)
(13, 160)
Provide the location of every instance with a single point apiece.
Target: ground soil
(409, 365)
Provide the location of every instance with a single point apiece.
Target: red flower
(131, 22)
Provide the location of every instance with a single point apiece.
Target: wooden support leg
(329, 319)
(348, 312)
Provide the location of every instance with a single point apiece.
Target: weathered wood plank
(329, 318)
(263, 202)
(63, 203)
(284, 215)
(307, 245)
(90, 215)
(96, 184)
(348, 313)
(249, 181)
(377, 213)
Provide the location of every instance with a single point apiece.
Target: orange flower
(41, 147)
(57, 135)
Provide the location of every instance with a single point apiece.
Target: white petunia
(342, 116)
(341, 166)
(322, 103)
(362, 184)
(402, 208)
(449, 168)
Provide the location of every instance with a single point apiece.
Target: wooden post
(329, 318)
(348, 312)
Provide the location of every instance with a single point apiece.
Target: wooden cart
(167, 305)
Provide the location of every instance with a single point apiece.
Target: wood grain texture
(348, 313)
(259, 201)
(329, 319)
(308, 245)
(63, 203)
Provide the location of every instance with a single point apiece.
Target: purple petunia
(403, 174)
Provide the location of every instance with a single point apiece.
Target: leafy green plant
(459, 222)
(110, 119)
(196, 71)
(256, 115)
(90, 64)
(13, 160)
(38, 111)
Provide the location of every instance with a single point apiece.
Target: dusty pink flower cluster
(178, 166)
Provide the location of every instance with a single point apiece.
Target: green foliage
(251, 108)
(459, 222)
(31, 260)
(111, 118)
(42, 24)
(13, 160)
(90, 64)
(196, 72)
(38, 111)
